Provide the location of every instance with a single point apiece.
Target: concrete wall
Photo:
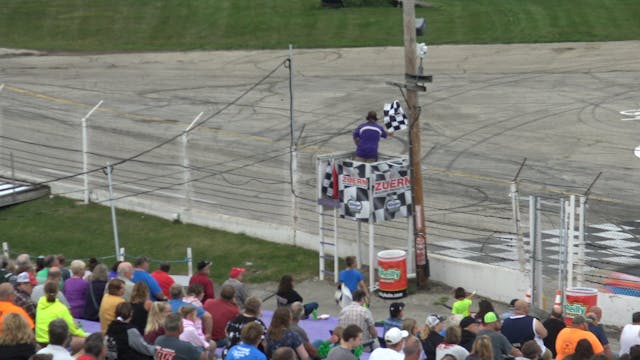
(617, 309)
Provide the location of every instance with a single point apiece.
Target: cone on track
(557, 304)
(527, 296)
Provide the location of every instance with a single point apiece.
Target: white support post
(85, 140)
(113, 212)
(1, 87)
(335, 245)
(294, 154)
(372, 266)
(186, 163)
(515, 205)
(359, 244)
(5, 249)
(410, 251)
(319, 209)
(581, 245)
(571, 213)
(539, 287)
(189, 262)
(122, 254)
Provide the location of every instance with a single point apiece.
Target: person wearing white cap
(394, 339)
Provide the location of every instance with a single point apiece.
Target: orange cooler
(392, 274)
(579, 302)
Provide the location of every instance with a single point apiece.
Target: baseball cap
(395, 308)
(203, 264)
(434, 319)
(24, 277)
(490, 317)
(395, 335)
(235, 272)
(468, 321)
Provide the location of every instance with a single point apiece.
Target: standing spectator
(125, 273)
(499, 344)
(23, 288)
(280, 335)
(16, 341)
(163, 278)
(520, 328)
(75, 288)
(367, 136)
(584, 351)
(531, 350)
(48, 262)
(202, 278)
(23, 264)
(463, 302)
(176, 303)
(297, 312)
(351, 339)
(141, 304)
(352, 278)
(141, 273)
(449, 344)
(58, 334)
(113, 272)
(50, 308)
(95, 292)
(396, 312)
(91, 265)
(568, 338)
(484, 306)
(630, 334)
(94, 348)
(287, 292)
(235, 280)
(66, 274)
(250, 314)
(356, 313)
(482, 349)
(107, 313)
(7, 306)
(222, 311)
(553, 324)
(53, 276)
(595, 314)
(469, 328)
(510, 310)
(251, 336)
(155, 321)
(394, 340)
(171, 347)
(430, 335)
(124, 340)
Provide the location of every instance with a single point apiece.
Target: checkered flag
(394, 117)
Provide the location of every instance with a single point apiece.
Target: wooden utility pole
(412, 79)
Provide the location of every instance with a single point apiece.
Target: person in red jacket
(163, 278)
(202, 278)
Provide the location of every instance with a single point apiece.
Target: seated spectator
(75, 288)
(250, 314)
(163, 278)
(469, 328)
(484, 306)
(251, 336)
(125, 273)
(583, 351)
(124, 340)
(350, 340)
(394, 342)
(482, 349)
(54, 276)
(284, 353)
(279, 334)
(412, 348)
(553, 324)
(195, 294)
(171, 346)
(49, 261)
(222, 311)
(95, 292)
(66, 273)
(107, 313)
(297, 312)
(94, 348)
(531, 350)
(113, 272)
(155, 321)
(286, 292)
(141, 304)
(23, 287)
(7, 306)
(17, 341)
(176, 303)
(411, 325)
(49, 309)
(91, 265)
(396, 312)
(568, 338)
(449, 344)
(58, 335)
(140, 273)
(325, 346)
(192, 334)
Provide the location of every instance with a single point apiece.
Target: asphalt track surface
(489, 107)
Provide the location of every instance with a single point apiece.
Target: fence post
(189, 262)
(85, 140)
(121, 255)
(5, 249)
